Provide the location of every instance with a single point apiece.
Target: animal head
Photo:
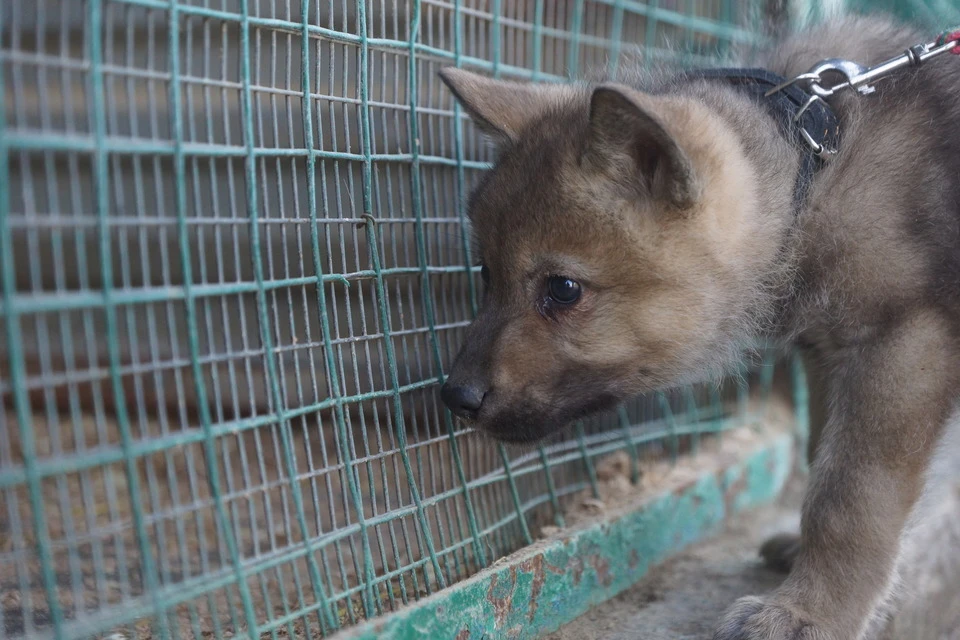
(617, 236)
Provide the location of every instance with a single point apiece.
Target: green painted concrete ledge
(539, 588)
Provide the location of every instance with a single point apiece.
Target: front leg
(780, 552)
(888, 404)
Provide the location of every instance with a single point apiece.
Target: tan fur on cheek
(639, 327)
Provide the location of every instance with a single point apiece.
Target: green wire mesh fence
(234, 264)
(932, 14)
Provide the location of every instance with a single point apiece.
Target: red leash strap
(950, 36)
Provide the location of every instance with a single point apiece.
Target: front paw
(753, 618)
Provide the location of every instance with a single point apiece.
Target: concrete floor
(682, 599)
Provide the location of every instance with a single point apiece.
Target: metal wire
(234, 266)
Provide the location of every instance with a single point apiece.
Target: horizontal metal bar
(53, 301)
(92, 458)
(25, 140)
(667, 16)
(36, 220)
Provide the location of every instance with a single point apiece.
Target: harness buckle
(847, 74)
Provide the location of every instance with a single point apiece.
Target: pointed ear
(499, 108)
(626, 136)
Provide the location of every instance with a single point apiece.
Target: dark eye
(485, 274)
(563, 290)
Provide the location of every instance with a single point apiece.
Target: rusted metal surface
(552, 582)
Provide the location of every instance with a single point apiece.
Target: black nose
(463, 400)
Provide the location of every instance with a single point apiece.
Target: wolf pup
(638, 235)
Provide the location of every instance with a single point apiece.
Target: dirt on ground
(683, 598)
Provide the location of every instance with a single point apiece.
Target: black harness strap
(818, 120)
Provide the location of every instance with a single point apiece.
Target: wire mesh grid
(234, 264)
(931, 14)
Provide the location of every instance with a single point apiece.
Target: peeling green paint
(540, 588)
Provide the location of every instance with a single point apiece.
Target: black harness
(818, 120)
